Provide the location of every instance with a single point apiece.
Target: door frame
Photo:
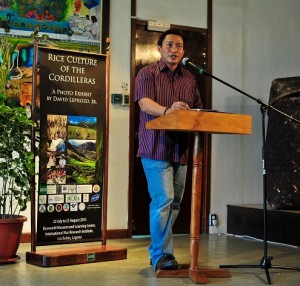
(206, 193)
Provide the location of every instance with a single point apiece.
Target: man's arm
(153, 108)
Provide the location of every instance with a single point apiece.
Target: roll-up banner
(72, 146)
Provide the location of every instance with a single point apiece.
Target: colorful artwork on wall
(73, 21)
(66, 24)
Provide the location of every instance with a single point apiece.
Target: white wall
(119, 116)
(254, 42)
(186, 13)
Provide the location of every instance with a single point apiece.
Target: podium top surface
(203, 121)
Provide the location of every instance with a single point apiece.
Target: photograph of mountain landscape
(82, 127)
(81, 149)
(81, 161)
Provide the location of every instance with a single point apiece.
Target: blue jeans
(166, 182)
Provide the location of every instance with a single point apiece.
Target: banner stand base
(72, 256)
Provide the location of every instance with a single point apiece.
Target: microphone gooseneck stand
(265, 262)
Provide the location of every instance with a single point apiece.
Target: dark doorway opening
(144, 52)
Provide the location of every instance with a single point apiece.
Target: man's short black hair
(171, 32)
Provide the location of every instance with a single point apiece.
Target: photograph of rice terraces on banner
(71, 150)
(81, 149)
(56, 150)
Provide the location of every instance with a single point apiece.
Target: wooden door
(144, 52)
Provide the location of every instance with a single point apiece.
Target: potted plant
(16, 172)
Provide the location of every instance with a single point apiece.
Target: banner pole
(105, 185)
(33, 134)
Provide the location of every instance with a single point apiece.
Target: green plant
(5, 54)
(16, 160)
(6, 51)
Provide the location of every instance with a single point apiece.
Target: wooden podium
(199, 121)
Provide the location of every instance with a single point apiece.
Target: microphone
(187, 62)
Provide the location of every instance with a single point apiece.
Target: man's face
(171, 50)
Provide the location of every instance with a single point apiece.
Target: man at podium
(161, 88)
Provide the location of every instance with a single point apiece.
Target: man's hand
(151, 107)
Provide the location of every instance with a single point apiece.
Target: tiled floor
(215, 250)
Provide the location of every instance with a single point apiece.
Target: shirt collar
(163, 67)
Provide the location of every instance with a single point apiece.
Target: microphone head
(185, 61)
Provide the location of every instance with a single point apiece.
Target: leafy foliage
(16, 160)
